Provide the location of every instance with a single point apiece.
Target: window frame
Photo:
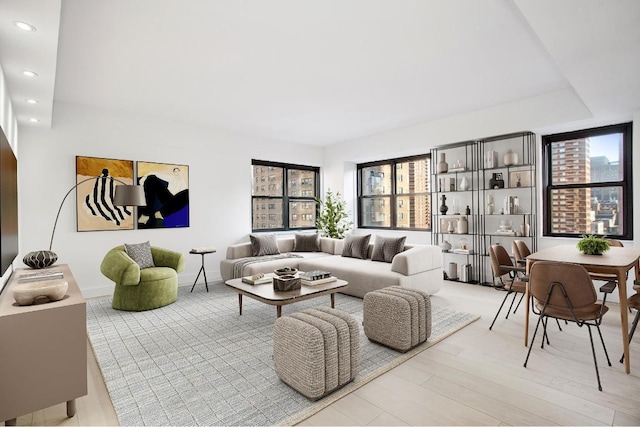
(626, 184)
(393, 195)
(286, 167)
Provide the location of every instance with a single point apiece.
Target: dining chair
(506, 272)
(610, 279)
(520, 252)
(565, 291)
(633, 302)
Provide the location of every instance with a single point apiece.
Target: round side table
(202, 252)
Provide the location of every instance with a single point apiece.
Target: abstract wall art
(94, 197)
(166, 189)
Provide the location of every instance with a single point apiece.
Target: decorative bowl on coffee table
(286, 271)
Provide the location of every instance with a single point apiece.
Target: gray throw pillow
(356, 246)
(386, 248)
(264, 244)
(306, 243)
(140, 253)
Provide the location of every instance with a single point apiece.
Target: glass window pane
(587, 160)
(302, 214)
(587, 211)
(413, 212)
(267, 181)
(413, 176)
(376, 180)
(376, 212)
(301, 183)
(267, 213)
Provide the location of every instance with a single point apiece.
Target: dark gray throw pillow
(386, 248)
(356, 246)
(264, 244)
(306, 243)
(140, 253)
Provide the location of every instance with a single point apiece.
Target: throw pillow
(356, 246)
(386, 248)
(140, 253)
(264, 244)
(306, 243)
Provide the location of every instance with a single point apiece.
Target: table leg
(333, 300)
(71, 408)
(526, 306)
(204, 273)
(197, 277)
(624, 316)
(240, 303)
(278, 310)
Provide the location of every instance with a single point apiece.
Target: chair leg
(603, 346)
(521, 298)
(633, 330)
(545, 321)
(532, 340)
(595, 360)
(559, 327)
(515, 294)
(501, 305)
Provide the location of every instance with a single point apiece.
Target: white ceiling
(319, 71)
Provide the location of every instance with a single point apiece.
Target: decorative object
(463, 244)
(593, 245)
(286, 282)
(115, 197)
(456, 207)
(452, 184)
(510, 158)
(443, 166)
(286, 271)
(453, 271)
(251, 371)
(520, 178)
(463, 225)
(333, 219)
(445, 246)
(467, 211)
(464, 184)
(524, 227)
(443, 207)
(496, 181)
(46, 290)
(166, 189)
(457, 166)
(465, 273)
(450, 227)
(491, 159)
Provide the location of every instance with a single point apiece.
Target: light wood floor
(474, 377)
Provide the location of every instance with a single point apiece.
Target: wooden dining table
(617, 260)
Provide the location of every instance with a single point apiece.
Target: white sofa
(418, 266)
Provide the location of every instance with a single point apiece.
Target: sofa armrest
(167, 258)
(417, 260)
(120, 268)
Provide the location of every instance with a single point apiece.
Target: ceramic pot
(464, 184)
(443, 166)
(453, 270)
(463, 225)
(450, 227)
(510, 158)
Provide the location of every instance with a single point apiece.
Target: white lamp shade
(129, 195)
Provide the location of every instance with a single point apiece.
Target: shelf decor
(443, 166)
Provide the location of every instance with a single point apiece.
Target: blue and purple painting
(166, 189)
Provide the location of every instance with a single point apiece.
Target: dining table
(617, 261)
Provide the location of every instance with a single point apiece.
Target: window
(395, 194)
(289, 207)
(588, 182)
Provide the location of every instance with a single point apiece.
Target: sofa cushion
(306, 243)
(356, 246)
(140, 253)
(264, 244)
(387, 247)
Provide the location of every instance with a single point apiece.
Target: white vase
(510, 158)
(450, 228)
(464, 184)
(463, 225)
(443, 166)
(524, 228)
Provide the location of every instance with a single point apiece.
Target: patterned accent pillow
(387, 247)
(306, 243)
(264, 244)
(140, 253)
(356, 246)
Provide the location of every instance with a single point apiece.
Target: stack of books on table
(316, 277)
(40, 276)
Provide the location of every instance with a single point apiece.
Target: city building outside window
(395, 194)
(290, 196)
(588, 182)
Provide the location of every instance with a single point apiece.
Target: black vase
(444, 208)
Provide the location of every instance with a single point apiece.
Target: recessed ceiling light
(32, 101)
(29, 73)
(24, 26)
(33, 120)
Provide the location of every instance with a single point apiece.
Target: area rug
(198, 362)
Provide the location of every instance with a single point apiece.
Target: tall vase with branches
(333, 219)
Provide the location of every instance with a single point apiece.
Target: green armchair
(143, 289)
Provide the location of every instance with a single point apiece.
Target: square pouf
(316, 351)
(397, 317)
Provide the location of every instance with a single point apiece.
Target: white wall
(219, 177)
